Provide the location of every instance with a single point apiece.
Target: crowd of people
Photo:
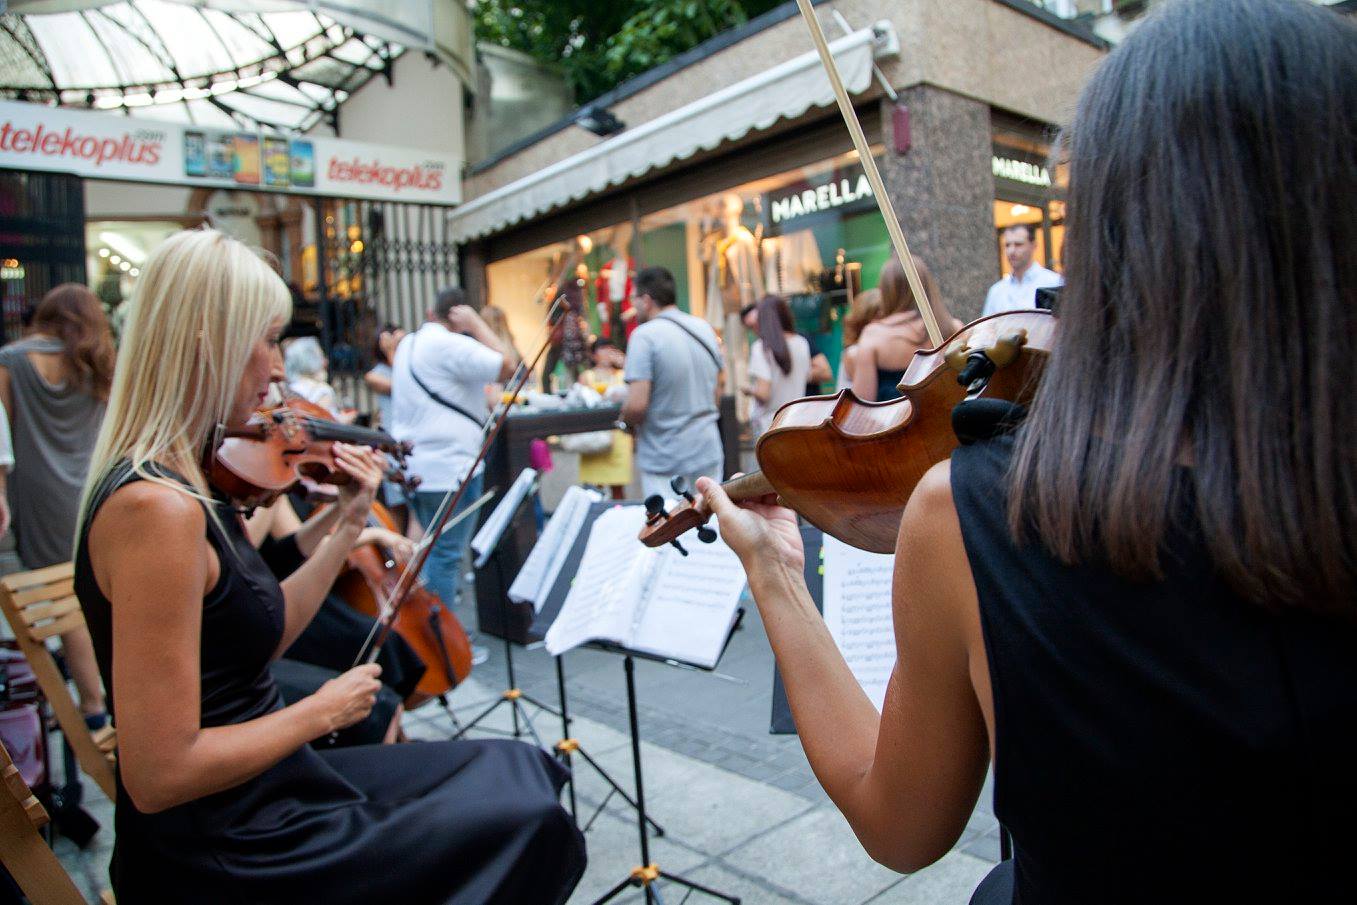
(1136, 605)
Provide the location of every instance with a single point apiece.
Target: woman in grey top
(54, 384)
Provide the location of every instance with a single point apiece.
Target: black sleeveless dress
(462, 822)
(1157, 742)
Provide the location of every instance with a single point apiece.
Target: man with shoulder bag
(438, 403)
(673, 373)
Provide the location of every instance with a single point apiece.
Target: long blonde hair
(201, 303)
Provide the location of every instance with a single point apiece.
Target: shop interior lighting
(1020, 209)
(126, 248)
(115, 260)
(103, 252)
(124, 267)
(134, 272)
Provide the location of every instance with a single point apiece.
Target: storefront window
(1028, 191)
(812, 235)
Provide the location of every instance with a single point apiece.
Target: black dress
(1161, 741)
(463, 822)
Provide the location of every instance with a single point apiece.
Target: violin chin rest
(974, 420)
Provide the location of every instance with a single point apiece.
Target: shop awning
(782, 92)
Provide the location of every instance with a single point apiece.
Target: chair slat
(40, 612)
(51, 590)
(68, 623)
(20, 580)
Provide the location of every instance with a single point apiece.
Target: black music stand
(569, 746)
(513, 696)
(648, 873)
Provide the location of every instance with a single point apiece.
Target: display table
(495, 614)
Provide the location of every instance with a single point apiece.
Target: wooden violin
(280, 446)
(369, 582)
(848, 466)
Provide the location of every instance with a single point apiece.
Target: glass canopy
(279, 69)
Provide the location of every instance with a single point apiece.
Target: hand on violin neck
(763, 534)
(364, 468)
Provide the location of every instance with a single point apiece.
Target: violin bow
(372, 645)
(850, 119)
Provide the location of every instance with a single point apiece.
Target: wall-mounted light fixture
(598, 120)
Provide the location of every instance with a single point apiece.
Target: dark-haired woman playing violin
(1141, 607)
(220, 798)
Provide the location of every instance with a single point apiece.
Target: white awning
(782, 92)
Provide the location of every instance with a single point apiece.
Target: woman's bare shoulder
(147, 509)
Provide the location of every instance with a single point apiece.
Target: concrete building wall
(981, 49)
(113, 200)
(421, 108)
(943, 192)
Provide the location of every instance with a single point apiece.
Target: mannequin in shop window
(613, 288)
(734, 279)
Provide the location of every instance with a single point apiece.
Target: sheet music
(604, 592)
(538, 575)
(858, 613)
(689, 603)
(494, 526)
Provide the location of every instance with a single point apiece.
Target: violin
(848, 466)
(369, 581)
(291, 442)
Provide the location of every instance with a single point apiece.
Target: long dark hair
(775, 322)
(1210, 307)
(72, 314)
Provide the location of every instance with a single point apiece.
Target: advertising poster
(276, 162)
(245, 161)
(195, 154)
(303, 163)
(220, 154)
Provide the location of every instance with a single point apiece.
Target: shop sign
(800, 199)
(1020, 171)
(105, 146)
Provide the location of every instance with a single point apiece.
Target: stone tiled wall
(943, 192)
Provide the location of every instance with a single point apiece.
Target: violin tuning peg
(706, 534)
(655, 506)
(679, 547)
(680, 486)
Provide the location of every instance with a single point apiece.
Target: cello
(369, 580)
(848, 466)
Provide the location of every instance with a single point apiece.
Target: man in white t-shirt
(438, 403)
(1018, 290)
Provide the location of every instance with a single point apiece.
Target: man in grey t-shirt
(672, 373)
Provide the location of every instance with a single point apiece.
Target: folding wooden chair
(23, 851)
(39, 605)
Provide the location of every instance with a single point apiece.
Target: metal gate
(42, 242)
(381, 263)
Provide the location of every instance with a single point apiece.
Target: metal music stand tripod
(569, 746)
(648, 873)
(513, 696)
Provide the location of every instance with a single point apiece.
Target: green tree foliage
(601, 43)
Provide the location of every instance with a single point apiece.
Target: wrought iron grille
(382, 262)
(42, 241)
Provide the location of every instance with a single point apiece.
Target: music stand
(648, 873)
(513, 696)
(569, 746)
